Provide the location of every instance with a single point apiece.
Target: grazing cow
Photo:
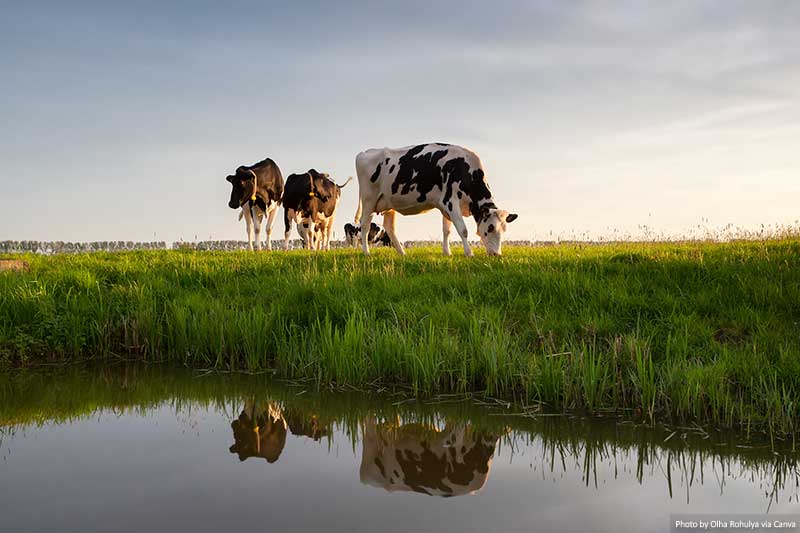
(352, 234)
(258, 186)
(310, 200)
(380, 238)
(419, 178)
(420, 458)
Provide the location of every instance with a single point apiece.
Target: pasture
(685, 331)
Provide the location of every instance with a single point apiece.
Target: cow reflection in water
(416, 457)
(260, 430)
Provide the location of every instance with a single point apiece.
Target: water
(151, 449)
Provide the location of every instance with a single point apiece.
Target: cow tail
(346, 182)
(358, 212)
(241, 214)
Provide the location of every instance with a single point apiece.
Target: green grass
(687, 331)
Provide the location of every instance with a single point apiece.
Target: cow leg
(461, 228)
(327, 230)
(366, 220)
(388, 226)
(446, 224)
(287, 222)
(270, 220)
(259, 217)
(248, 220)
(306, 233)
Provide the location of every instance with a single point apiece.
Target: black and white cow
(310, 200)
(419, 178)
(452, 461)
(380, 238)
(254, 187)
(352, 235)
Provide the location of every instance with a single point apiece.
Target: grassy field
(689, 331)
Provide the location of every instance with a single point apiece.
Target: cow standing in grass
(254, 188)
(416, 179)
(310, 200)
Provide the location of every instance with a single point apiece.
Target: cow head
(244, 187)
(491, 226)
(374, 231)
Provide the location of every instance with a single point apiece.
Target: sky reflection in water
(299, 460)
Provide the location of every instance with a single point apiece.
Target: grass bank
(703, 331)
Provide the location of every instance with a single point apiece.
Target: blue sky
(122, 119)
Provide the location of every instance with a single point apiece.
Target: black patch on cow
(376, 174)
(450, 206)
(490, 229)
(386, 161)
(460, 194)
(383, 238)
(391, 169)
(419, 172)
(305, 224)
(456, 172)
(379, 464)
(479, 191)
(424, 471)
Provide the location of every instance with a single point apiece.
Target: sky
(121, 120)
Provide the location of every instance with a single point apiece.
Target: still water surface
(149, 449)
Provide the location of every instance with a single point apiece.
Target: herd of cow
(409, 180)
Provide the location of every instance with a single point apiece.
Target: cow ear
(230, 178)
(244, 173)
(511, 218)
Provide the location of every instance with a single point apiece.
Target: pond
(144, 448)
